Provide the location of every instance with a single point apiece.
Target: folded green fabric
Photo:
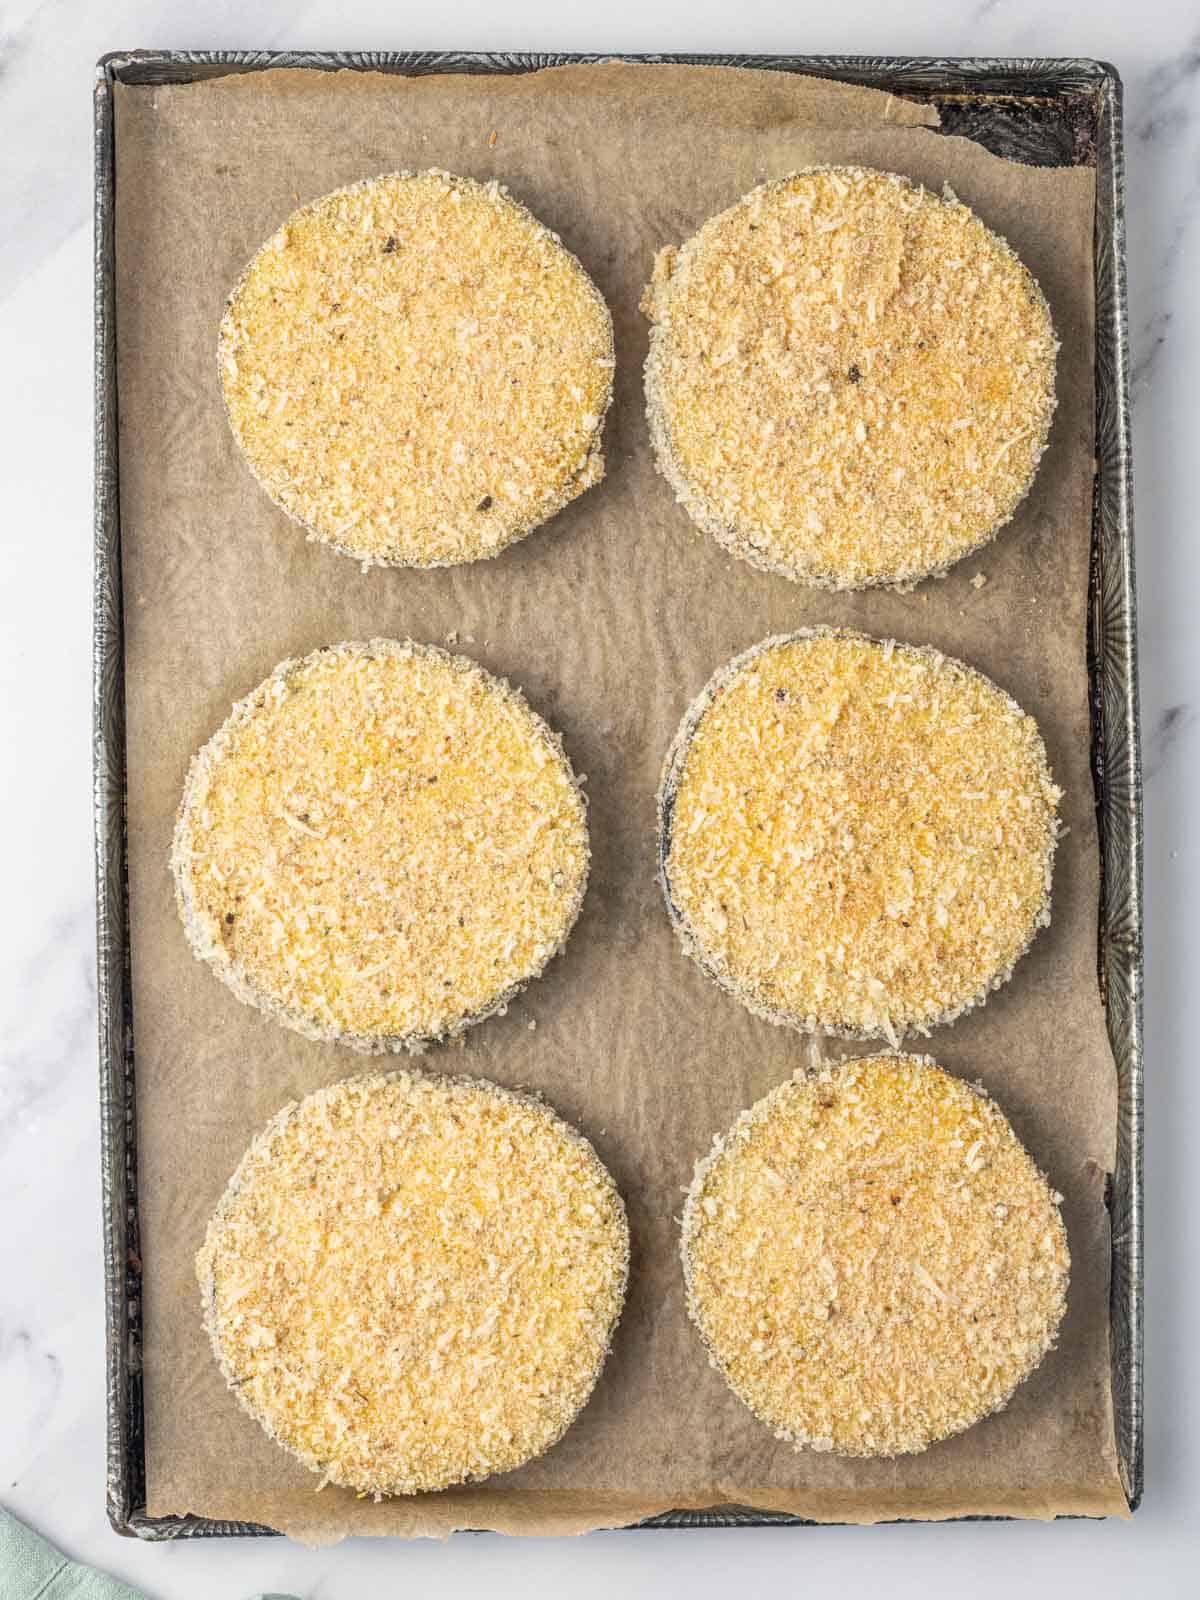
(31, 1569)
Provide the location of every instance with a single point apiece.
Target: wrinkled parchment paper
(611, 618)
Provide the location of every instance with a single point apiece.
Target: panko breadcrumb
(380, 846)
(856, 837)
(412, 1281)
(872, 1258)
(850, 379)
(417, 370)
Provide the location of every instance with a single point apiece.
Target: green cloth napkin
(31, 1569)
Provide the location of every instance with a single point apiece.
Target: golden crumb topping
(412, 1281)
(850, 379)
(872, 1258)
(856, 836)
(380, 845)
(417, 370)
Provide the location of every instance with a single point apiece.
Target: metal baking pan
(1044, 112)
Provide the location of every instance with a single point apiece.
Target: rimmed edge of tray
(1045, 111)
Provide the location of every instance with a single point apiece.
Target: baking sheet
(606, 618)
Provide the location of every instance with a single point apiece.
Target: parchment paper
(611, 618)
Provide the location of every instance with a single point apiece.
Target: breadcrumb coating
(412, 1281)
(872, 1258)
(856, 837)
(381, 845)
(850, 379)
(417, 371)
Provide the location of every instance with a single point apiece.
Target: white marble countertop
(51, 1333)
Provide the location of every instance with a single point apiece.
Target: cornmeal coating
(850, 379)
(872, 1258)
(412, 1281)
(381, 845)
(417, 370)
(856, 836)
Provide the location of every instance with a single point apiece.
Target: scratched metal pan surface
(1051, 112)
